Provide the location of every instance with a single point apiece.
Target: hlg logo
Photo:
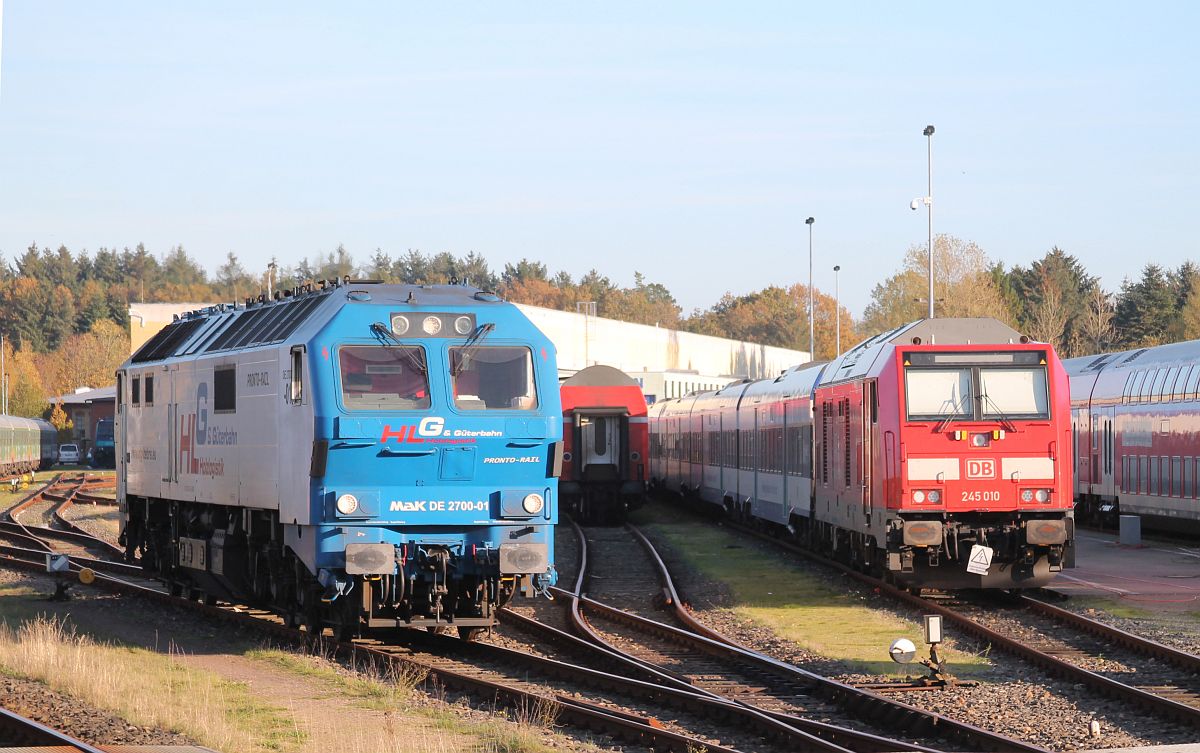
(431, 426)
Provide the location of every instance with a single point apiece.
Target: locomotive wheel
(346, 624)
(314, 620)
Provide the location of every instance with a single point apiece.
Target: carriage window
(1135, 392)
(376, 377)
(493, 377)
(1168, 387)
(1180, 390)
(1192, 383)
(1156, 389)
(938, 393)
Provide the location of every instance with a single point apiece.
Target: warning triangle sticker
(980, 560)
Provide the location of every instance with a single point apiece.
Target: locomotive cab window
(135, 391)
(980, 387)
(1014, 393)
(149, 389)
(493, 377)
(935, 394)
(377, 378)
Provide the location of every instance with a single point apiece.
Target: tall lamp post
(927, 200)
(812, 353)
(837, 307)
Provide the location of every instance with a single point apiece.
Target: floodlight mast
(812, 353)
(929, 205)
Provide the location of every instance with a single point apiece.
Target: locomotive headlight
(533, 503)
(1042, 495)
(347, 504)
(462, 325)
(918, 496)
(981, 440)
(431, 325)
(1027, 495)
(399, 325)
(935, 496)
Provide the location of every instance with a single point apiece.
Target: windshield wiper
(950, 416)
(383, 333)
(482, 331)
(1005, 421)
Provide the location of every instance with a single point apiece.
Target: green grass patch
(787, 598)
(1115, 607)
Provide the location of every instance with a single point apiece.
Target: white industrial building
(666, 362)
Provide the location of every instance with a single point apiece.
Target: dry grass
(405, 723)
(145, 687)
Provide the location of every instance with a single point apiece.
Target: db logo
(981, 469)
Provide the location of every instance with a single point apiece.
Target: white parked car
(68, 453)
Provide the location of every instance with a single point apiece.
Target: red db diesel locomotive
(605, 445)
(938, 453)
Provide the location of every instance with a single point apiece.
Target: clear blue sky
(688, 141)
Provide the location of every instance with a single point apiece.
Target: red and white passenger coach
(938, 452)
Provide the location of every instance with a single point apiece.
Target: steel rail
(1144, 646)
(865, 703)
(16, 729)
(776, 727)
(580, 714)
(1183, 713)
(72, 533)
(913, 720)
(677, 691)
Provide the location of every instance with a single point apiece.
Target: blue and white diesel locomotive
(353, 455)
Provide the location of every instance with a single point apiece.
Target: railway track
(631, 702)
(1122, 666)
(801, 704)
(38, 521)
(16, 730)
(579, 696)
